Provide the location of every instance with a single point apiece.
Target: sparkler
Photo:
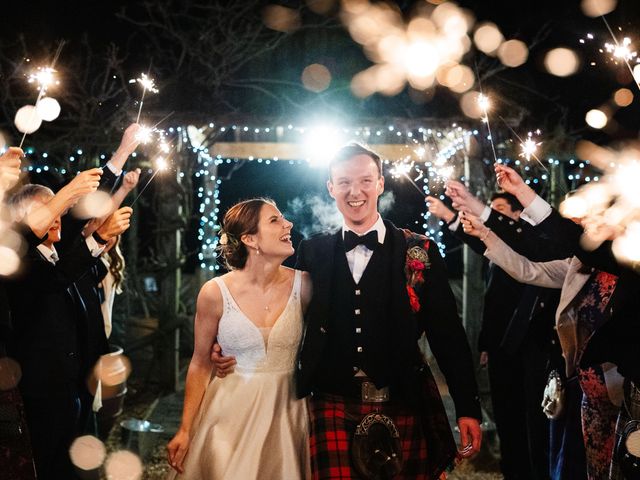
(161, 165)
(402, 169)
(622, 51)
(147, 84)
(44, 77)
(529, 146)
(484, 103)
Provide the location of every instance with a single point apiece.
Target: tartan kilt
(334, 420)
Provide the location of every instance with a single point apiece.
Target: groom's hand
(470, 436)
(224, 365)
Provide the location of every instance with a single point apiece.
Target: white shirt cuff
(484, 216)
(453, 226)
(537, 211)
(94, 247)
(115, 171)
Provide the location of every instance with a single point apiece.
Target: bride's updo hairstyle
(241, 219)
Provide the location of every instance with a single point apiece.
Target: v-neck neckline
(246, 317)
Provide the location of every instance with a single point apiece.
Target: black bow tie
(352, 240)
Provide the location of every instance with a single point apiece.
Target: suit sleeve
(301, 261)
(73, 264)
(542, 274)
(474, 243)
(447, 337)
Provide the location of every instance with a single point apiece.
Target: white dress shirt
(359, 257)
(51, 255)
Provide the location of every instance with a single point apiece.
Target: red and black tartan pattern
(333, 423)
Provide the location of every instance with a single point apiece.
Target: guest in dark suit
(509, 348)
(47, 312)
(360, 354)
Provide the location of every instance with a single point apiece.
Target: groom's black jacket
(398, 347)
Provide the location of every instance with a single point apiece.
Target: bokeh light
(623, 97)
(93, 205)
(513, 53)
(123, 465)
(10, 373)
(596, 8)
(87, 452)
(48, 109)
(488, 38)
(596, 118)
(561, 62)
(281, 18)
(470, 105)
(27, 119)
(316, 77)
(9, 261)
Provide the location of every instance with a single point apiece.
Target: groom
(376, 290)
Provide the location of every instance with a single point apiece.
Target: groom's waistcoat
(358, 327)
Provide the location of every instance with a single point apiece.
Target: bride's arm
(306, 291)
(208, 313)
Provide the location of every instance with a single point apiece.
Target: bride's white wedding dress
(250, 424)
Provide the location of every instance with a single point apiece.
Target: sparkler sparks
(529, 147)
(44, 77)
(621, 51)
(147, 84)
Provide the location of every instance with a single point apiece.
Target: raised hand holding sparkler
(439, 209)
(161, 165)
(462, 200)
(509, 180)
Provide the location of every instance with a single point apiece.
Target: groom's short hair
(351, 150)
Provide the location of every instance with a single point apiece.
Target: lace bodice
(240, 337)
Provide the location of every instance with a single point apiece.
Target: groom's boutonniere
(417, 261)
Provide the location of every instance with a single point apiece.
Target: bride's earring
(257, 250)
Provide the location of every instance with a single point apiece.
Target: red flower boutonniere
(417, 261)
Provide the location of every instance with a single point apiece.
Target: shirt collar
(49, 254)
(378, 227)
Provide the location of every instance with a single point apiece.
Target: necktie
(54, 257)
(352, 240)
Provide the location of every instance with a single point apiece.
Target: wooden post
(171, 223)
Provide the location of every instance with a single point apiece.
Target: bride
(248, 425)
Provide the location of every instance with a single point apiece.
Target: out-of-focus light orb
(280, 18)
(363, 84)
(623, 97)
(574, 207)
(112, 369)
(10, 373)
(633, 443)
(627, 246)
(513, 53)
(466, 79)
(596, 118)
(596, 8)
(316, 77)
(322, 7)
(626, 179)
(123, 465)
(421, 59)
(488, 38)
(561, 62)
(87, 452)
(470, 105)
(9, 261)
(636, 73)
(27, 119)
(48, 109)
(95, 204)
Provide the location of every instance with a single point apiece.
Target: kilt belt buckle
(371, 394)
